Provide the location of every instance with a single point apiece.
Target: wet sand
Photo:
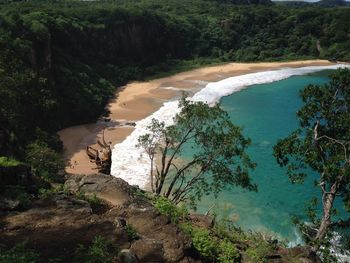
(138, 100)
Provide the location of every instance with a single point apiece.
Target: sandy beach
(138, 100)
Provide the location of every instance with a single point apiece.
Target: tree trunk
(160, 186)
(151, 174)
(326, 218)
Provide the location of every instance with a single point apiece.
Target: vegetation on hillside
(61, 61)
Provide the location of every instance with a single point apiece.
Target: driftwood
(102, 157)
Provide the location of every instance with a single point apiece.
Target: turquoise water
(267, 113)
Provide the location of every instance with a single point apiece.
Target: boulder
(114, 191)
(202, 221)
(147, 221)
(8, 204)
(148, 250)
(127, 256)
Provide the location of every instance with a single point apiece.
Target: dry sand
(138, 100)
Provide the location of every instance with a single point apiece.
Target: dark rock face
(8, 204)
(148, 250)
(127, 256)
(159, 234)
(56, 225)
(16, 175)
(303, 254)
(159, 239)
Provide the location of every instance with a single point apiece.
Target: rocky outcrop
(56, 225)
(114, 191)
(61, 222)
(160, 239)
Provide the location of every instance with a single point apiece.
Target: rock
(120, 222)
(8, 204)
(15, 175)
(113, 190)
(56, 225)
(300, 254)
(127, 256)
(202, 221)
(148, 250)
(149, 223)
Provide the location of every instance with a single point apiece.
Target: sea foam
(132, 164)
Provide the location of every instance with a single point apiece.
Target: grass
(131, 232)
(166, 207)
(18, 254)
(8, 162)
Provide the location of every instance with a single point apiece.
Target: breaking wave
(131, 163)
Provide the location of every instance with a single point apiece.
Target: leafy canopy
(322, 144)
(217, 153)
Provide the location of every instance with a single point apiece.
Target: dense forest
(61, 61)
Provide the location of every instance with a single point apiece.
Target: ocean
(265, 104)
(267, 112)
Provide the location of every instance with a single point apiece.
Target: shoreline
(138, 100)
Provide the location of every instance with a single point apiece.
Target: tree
(217, 160)
(45, 162)
(322, 145)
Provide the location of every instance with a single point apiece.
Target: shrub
(131, 232)
(6, 161)
(18, 254)
(168, 208)
(100, 251)
(45, 162)
(18, 193)
(257, 252)
(187, 228)
(204, 243)
(227, 252)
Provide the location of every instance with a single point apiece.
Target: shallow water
(267, 113)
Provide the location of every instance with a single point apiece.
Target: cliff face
(57, 224)
(54, 226)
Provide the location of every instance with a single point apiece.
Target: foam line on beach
(131, 163)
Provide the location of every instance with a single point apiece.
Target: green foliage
(131, 232)
(227, 252)
(321, 145)
(168, 208)
(19, 193)
(258, 251)
(203, 242)
(219, 158)
(214, 247)
(47, 192)
(44, 161)
(100, 251)
(60, 60)
(18, 254)
(6, 161)
(92, 199)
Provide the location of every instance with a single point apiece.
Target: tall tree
(322, 145)
(217, 153)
